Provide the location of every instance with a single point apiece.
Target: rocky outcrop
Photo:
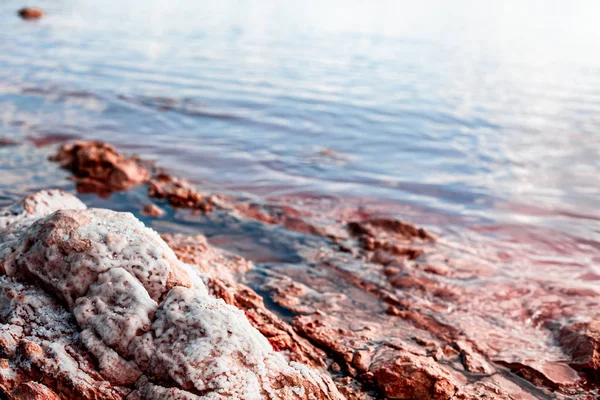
(223, 272)
(179, 193)
(96, 305)
(581, 341)
(99, 168)
(390, 309)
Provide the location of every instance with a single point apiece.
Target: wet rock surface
(99, 168)
(388, 308)
(179, 193)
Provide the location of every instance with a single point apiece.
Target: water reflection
(483, 114)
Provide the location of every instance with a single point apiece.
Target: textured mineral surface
(94, 305)
(384, 308)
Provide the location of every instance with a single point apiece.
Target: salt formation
(95, 305)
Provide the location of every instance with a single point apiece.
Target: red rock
(33, 391)
(179, 193)
(542, 373)
(131, 312)
(152, 210)
(99, 168)
(407, 376)
(220, 264)
(372, 226)
(472, 360)
(388, 241)
(31, 13)
(581, 341)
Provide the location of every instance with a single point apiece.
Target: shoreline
(371, 307)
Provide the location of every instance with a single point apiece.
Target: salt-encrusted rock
(15, 218)
(117, 308)
(18, 216)
(112, 366)
(38, 341)
(146, 390)
(144, 322)
(69, 249)
(207, 346)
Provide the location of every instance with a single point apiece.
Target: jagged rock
(99, 168)
(134, 313)
(33, 391)
(390, 309)
(179, 193)
(402, 375)
(223, 274)
(581, 341)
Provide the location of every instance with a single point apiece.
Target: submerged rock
(6, 142)
(96, 305)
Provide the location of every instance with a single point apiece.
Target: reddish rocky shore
(95, 305)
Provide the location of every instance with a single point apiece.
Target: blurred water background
(479, 120)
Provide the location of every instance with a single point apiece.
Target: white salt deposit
(146, 317)
(98, 241)
(16, 218)
(117, 308)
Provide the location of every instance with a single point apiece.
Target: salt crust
(145, 316)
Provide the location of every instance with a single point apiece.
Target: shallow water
(479, 122)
